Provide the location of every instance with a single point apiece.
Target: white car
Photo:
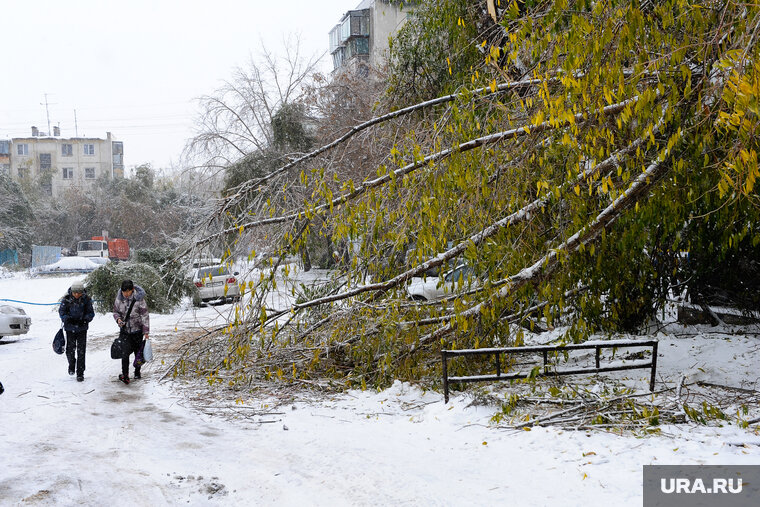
(216, 283)
(13, 321)
(433, 287)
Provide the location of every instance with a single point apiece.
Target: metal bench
(547, 369)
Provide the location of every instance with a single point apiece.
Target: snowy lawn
(100, 442)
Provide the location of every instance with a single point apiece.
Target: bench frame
(547, 371)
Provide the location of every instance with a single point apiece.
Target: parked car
(204, 262)
(13, 321)
(192, 267)
(434, 287)
(216, 283)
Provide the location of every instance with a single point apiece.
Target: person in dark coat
(136, 328)
(76, 313)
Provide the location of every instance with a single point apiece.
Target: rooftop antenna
(76, 129)
(47, 111)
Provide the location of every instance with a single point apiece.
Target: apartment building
(360, 39)
(56, 163)
(5, 156)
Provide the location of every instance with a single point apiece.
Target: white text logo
(719, 485)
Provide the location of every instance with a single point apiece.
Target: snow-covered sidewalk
(100, 442)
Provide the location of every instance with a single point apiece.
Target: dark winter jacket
(76, 314)
(139, 320)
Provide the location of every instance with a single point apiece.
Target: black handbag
(59, 342)
(119, 345)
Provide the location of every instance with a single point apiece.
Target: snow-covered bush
(103, 283)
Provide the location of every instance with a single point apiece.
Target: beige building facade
(56, 164)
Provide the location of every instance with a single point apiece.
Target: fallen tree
(587, 178)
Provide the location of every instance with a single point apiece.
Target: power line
(130, 107)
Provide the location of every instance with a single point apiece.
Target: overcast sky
(134, 68)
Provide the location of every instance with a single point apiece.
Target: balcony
(350, 37)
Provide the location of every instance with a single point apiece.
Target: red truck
(116, 249)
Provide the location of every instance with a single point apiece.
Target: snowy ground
(103, 443)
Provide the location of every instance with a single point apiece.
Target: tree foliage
(429, 57)
(594, 158)
(162, 293)
(173, 273)
(146, 210)
(252, 125)
(15, 216)
(255, 111)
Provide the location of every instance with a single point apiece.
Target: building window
(67, 150)
(356, 47)
(45, 162)
(335, 38)
(338, 58)
(89, 149)
(68, 173)
(355, 23)
(89, 173)
(22, 149)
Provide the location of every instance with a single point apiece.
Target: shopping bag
(147, 352)
(139, 361)
(59, 342)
